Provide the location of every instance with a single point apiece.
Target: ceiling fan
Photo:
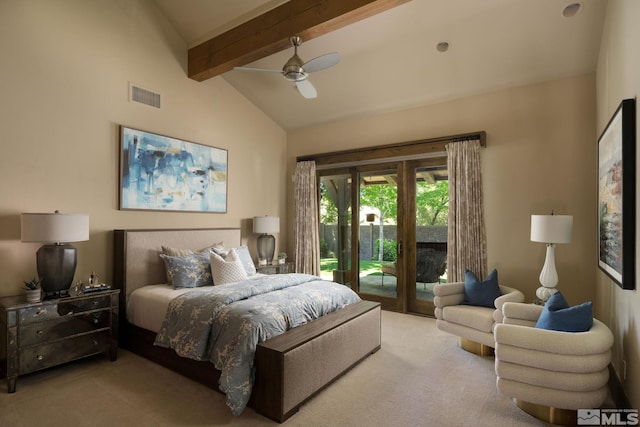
(297, 71)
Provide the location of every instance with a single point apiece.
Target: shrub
(389, 250)
(324, 249)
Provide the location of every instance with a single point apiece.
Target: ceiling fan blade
(322, 62)
(261, 70)
(306, 89)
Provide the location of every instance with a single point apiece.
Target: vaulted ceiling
(389, 59)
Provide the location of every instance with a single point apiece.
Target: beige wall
(618, 78)
(66, 66)
(540, 156)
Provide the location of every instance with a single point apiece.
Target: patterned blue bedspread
(224, 324)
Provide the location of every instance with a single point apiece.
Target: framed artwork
(162, 173)
(616, 196)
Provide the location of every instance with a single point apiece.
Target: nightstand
(275, 268)
(35, 336)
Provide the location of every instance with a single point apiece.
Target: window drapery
(467, 245)
(306, 233)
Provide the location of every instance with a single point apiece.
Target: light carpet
(420, 377)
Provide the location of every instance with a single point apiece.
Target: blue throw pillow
(558, 316)
(190, 271)
(479, 293)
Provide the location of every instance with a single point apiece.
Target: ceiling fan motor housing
(293, 70)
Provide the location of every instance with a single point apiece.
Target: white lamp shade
(551, 228)
(266, 224)
(54, 227)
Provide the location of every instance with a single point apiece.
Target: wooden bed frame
(290, 368)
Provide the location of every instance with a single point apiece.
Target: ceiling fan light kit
(297, 71)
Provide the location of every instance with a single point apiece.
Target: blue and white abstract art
(162, 173)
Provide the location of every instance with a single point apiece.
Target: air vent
(144, 96)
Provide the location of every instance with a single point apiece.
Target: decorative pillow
(190, 271)
(247, 261)
(167, 250)
(558, 316)
(243, 255)
(227, 270)
(479, 293)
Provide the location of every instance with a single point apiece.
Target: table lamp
(265, 225)
(56, 260)
(550, 229)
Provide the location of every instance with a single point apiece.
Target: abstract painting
(162, 173)
(616, 196)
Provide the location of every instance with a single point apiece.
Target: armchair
(551, 374)
(474, 325)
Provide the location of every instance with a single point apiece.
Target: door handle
(399, 248)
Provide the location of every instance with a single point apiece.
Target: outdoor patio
(372, 285)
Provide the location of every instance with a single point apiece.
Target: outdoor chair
(390, 269)
(430, 265)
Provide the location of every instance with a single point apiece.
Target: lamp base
(56, 267)
(543, 293)
(266, 247)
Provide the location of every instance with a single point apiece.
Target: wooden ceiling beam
(269, 33)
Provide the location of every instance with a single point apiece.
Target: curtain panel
(307, 229)
(467, 245)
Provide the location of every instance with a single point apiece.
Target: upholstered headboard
(136, 260)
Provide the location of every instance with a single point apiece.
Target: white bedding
(147, 305)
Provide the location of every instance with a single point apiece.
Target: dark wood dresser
(40, 335)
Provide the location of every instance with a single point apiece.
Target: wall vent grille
(144, 96)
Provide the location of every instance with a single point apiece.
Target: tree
(328, 209)
(384, 197)
(432, 203)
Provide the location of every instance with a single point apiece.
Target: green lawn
(367, 268)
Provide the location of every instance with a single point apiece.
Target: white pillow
(228, 269)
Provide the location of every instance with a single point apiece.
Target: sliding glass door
(384, 231)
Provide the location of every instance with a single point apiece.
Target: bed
(289, 368)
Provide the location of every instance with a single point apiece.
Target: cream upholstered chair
(473, 324)
(551, 374)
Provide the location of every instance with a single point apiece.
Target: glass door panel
(335, 228)
(429, 251)
(378, 235)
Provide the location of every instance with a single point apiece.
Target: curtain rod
(420, 149)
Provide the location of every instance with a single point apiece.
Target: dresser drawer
(62, 308)
(67, 326)
(52, 354)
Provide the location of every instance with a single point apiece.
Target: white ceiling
(390, 62)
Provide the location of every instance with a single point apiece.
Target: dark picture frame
(162, 173)
(616, 196)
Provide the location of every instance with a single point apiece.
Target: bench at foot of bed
(292, 367)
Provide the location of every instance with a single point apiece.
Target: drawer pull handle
(41, 313)
(95, 302)
(39, 357)
(39, 333)
(95, 342)
(95, 321)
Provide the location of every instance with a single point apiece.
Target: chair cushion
(478, 318)
(481, 293)
(558, 316)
